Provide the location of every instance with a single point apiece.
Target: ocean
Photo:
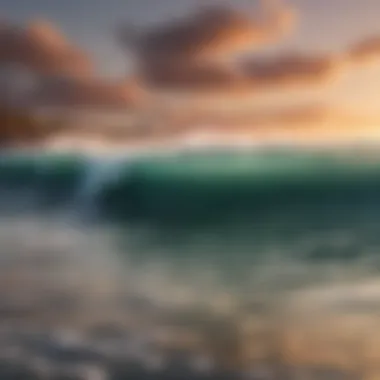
(217, 263)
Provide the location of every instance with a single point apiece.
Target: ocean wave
(224, 264)
(203, 187)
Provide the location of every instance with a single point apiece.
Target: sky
(322, 27)
(323, 24)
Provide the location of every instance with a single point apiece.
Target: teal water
(284, 194)
(202, 188)
(226, 209)
(293, 232)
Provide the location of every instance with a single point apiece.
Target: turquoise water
(228, 210)
(282, 193)
(293, 232)
(182, 189)
(230, 201)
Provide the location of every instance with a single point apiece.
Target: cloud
(365, 50)
(54, 72)
(209, 33)
(86, 93)
(191, 76)
(249, 75)
(41, 48)
(292, 69)
(184, 54)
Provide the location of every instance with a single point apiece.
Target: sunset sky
(321, 29)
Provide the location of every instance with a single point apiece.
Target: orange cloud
(86, 92)
(63, 74)
(191, 76)
(41, 48)
(250, 75)
(209, 33)
(292, 69)
(365, 50)
(184, 54)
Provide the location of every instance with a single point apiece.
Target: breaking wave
(240, 262)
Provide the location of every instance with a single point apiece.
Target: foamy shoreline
(195, 142)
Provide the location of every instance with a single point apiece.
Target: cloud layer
(292, 69)
(209, 33)
(64, 75)
(41, 48)
(251, 75)
(366, 49)
(86, 92)
(211, 50)
(259, 74)
(185, 54)
(191, 76)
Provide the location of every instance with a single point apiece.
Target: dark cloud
(190, 76)
(62, 74)
(208, 33)
(41, 48)
(292, 69)
(86, 92)
(250, 75)
(184, 54)
(180, 55)
(366, 49)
